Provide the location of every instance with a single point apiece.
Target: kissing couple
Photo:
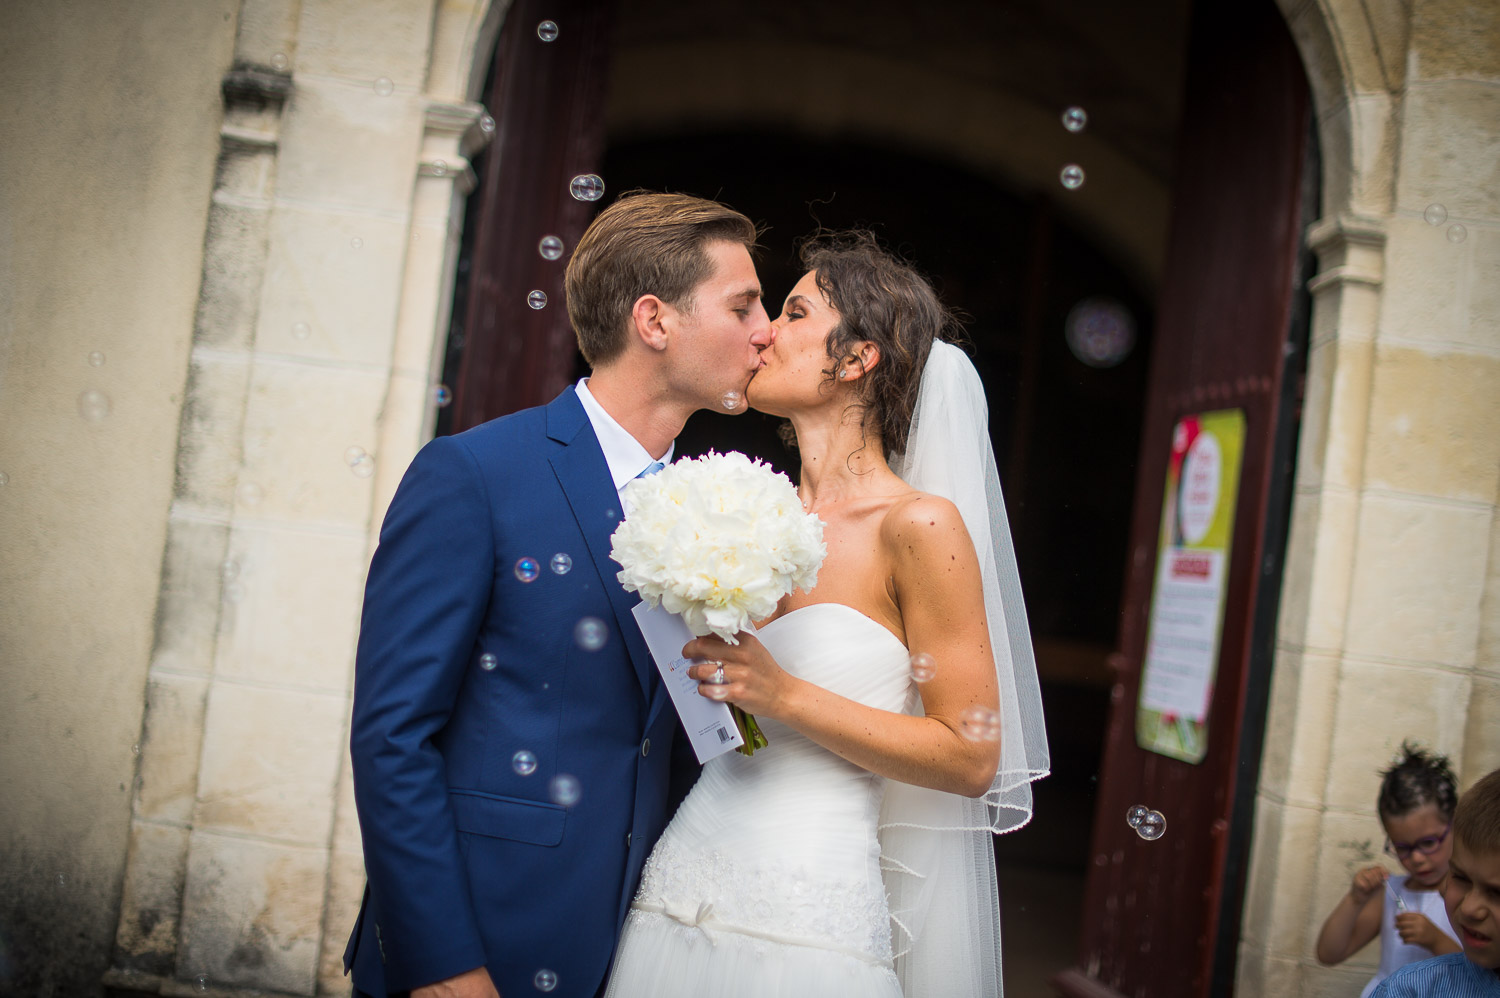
(516, 754)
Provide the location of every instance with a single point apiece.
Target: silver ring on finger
(718, 677)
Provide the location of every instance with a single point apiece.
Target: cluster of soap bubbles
(980, 724)
(1148, 824)
(1074, 119)
(1436, 215)
(359, 462)
(93, 405)
(923, 667)
(591, 634)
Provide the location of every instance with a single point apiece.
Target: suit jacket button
(645, 748)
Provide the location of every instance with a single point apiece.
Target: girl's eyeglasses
(1426, 845)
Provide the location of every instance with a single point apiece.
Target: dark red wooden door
(1160, 917)
(547, 100)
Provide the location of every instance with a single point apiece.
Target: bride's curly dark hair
(882, 299)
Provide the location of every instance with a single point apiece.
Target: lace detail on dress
(706, 891)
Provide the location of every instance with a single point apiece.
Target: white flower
(718, 539)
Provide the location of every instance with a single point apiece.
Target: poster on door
(1192, 574)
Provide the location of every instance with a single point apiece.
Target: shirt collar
(622, 452)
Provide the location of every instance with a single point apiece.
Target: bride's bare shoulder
(921, 524)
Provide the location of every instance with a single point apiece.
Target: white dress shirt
(622, 452)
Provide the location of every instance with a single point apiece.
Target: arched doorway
(941, 128)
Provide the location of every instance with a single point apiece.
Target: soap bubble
(231, 570)
(545, 980)
(562, 563)
(550, 247)
(1152, 827)
(537, 299)
(250, 493)
(353, 454)
(62, 881)
(523, 762)
(1074, 119)
(384, 87)
(527, 569)
(4, 478)
(135, 749)
(923, 667)
(301, 330)
(979, 724)
(1136, 815)
(1457, 233)
(732, 400)
(356, 242)
(1100, 332)
(201, 983)
(280, 62)
(565, 790)
(441, 396)
(364, 467)
(587, 187)
(486, 124)
(488, 661)
(1435, 214)
(93, 405)
(1072, 176)
(96, 359)
(439, 168)
(547, 32)
(591, 634)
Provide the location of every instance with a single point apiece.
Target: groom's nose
(765, 333)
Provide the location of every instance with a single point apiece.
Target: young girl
(1417, 797)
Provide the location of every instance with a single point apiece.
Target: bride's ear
(859, 361)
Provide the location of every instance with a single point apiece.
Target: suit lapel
(581, 471)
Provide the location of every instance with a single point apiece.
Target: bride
(852, 856)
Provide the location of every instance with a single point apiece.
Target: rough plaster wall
(110, 130)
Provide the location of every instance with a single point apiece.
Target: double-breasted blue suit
(475, 689)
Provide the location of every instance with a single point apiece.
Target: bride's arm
(939, 593)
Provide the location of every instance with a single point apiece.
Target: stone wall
(1390, 617)
(110, 128)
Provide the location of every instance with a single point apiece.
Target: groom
(511, 741)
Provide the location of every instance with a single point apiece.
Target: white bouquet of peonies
(718, 540)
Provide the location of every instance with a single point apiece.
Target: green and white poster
(1192, 574)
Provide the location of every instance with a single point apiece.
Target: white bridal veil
(936, 847)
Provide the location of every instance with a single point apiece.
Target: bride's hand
(752, 679)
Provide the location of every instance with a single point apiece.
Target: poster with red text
(1192, 573)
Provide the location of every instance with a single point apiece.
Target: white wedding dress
(767, 882)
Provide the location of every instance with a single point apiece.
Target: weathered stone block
(170, 747)
(296, 612)
(1419, 572)
(270, 762)
(366, 39)
(234, 261)
(302, 422)
(346, 146)
(155, 872)
(251, 913)
(1450, 149)
(208, 447)
(187, 615)
(1434, 424)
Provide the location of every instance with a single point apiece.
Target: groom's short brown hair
(644, 243)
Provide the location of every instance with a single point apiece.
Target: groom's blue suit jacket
(469, 860)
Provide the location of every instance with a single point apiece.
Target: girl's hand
(1367, 882)
(752, 679)
(1416, 929)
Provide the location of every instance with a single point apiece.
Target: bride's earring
(843, 375)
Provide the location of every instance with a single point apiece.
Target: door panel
(1152, 909)
(547, 99)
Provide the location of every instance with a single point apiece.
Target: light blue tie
(651, 469)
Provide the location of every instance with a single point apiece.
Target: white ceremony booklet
(708, 723)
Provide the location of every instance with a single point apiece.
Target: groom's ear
(648, 319)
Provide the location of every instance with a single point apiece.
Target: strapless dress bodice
(781, 846)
